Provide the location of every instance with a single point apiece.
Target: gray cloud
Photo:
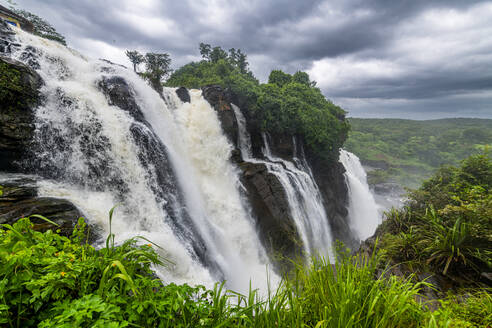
(375, 57)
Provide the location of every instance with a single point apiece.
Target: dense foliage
(410, 151)
(287, 104)
(446, 227)
(47, 280)
(53, 281)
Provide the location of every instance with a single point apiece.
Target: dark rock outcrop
(183, 94)
(19, 94)
(266, 194)
(221, 102)
(269, 202)
(6, 38)
(329, 176)
(19, 198)
(119, 94)
(331, 182)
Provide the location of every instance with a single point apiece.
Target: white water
(197, 149)
(363, 211)
(305, 201)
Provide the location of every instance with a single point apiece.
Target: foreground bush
(53, 281)
(446, 227)
(47, 280)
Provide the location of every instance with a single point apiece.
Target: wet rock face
(220, 100)
(183, 94)
(265, 193)
(19, 198)
(269, 201)
(282, 145)
(6, 38)
(119, 94)
(331, 183)
(19, 94)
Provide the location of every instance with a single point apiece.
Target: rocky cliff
(19, 96)
(264, 191)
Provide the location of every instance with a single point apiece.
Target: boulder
(183, 94)
(19, 198)
(268, 200)
(120, 94)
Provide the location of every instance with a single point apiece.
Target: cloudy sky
(418, 59)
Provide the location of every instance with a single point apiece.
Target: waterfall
(304, 198)
(165, 162)
(363, 211)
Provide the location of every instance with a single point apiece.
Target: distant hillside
(407, 151)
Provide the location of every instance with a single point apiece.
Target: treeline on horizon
(409, 151)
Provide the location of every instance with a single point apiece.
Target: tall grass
(345, 294)
(47, 280)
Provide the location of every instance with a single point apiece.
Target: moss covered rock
(19, 95)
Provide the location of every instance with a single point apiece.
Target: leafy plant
(447, 222)
(47, 280)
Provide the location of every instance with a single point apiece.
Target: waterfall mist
(363, 211)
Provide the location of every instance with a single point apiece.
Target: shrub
(449, 221)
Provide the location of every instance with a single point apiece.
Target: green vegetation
(10, 83)
(446, 226)
(135, 58)
(407, 152)
(41, 27)
(157, 66)
(287, 104)
(47, 280)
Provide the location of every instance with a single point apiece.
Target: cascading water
(304, 198)
(168, 168)
(363, 211)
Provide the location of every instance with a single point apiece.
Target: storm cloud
(375, 58)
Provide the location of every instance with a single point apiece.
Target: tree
(41, 27)
(233, 56)
(205, 50)
(279, 78)
(158, 67)
(135, 57)
(303, 78)
(217, 54)
(241, 61)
